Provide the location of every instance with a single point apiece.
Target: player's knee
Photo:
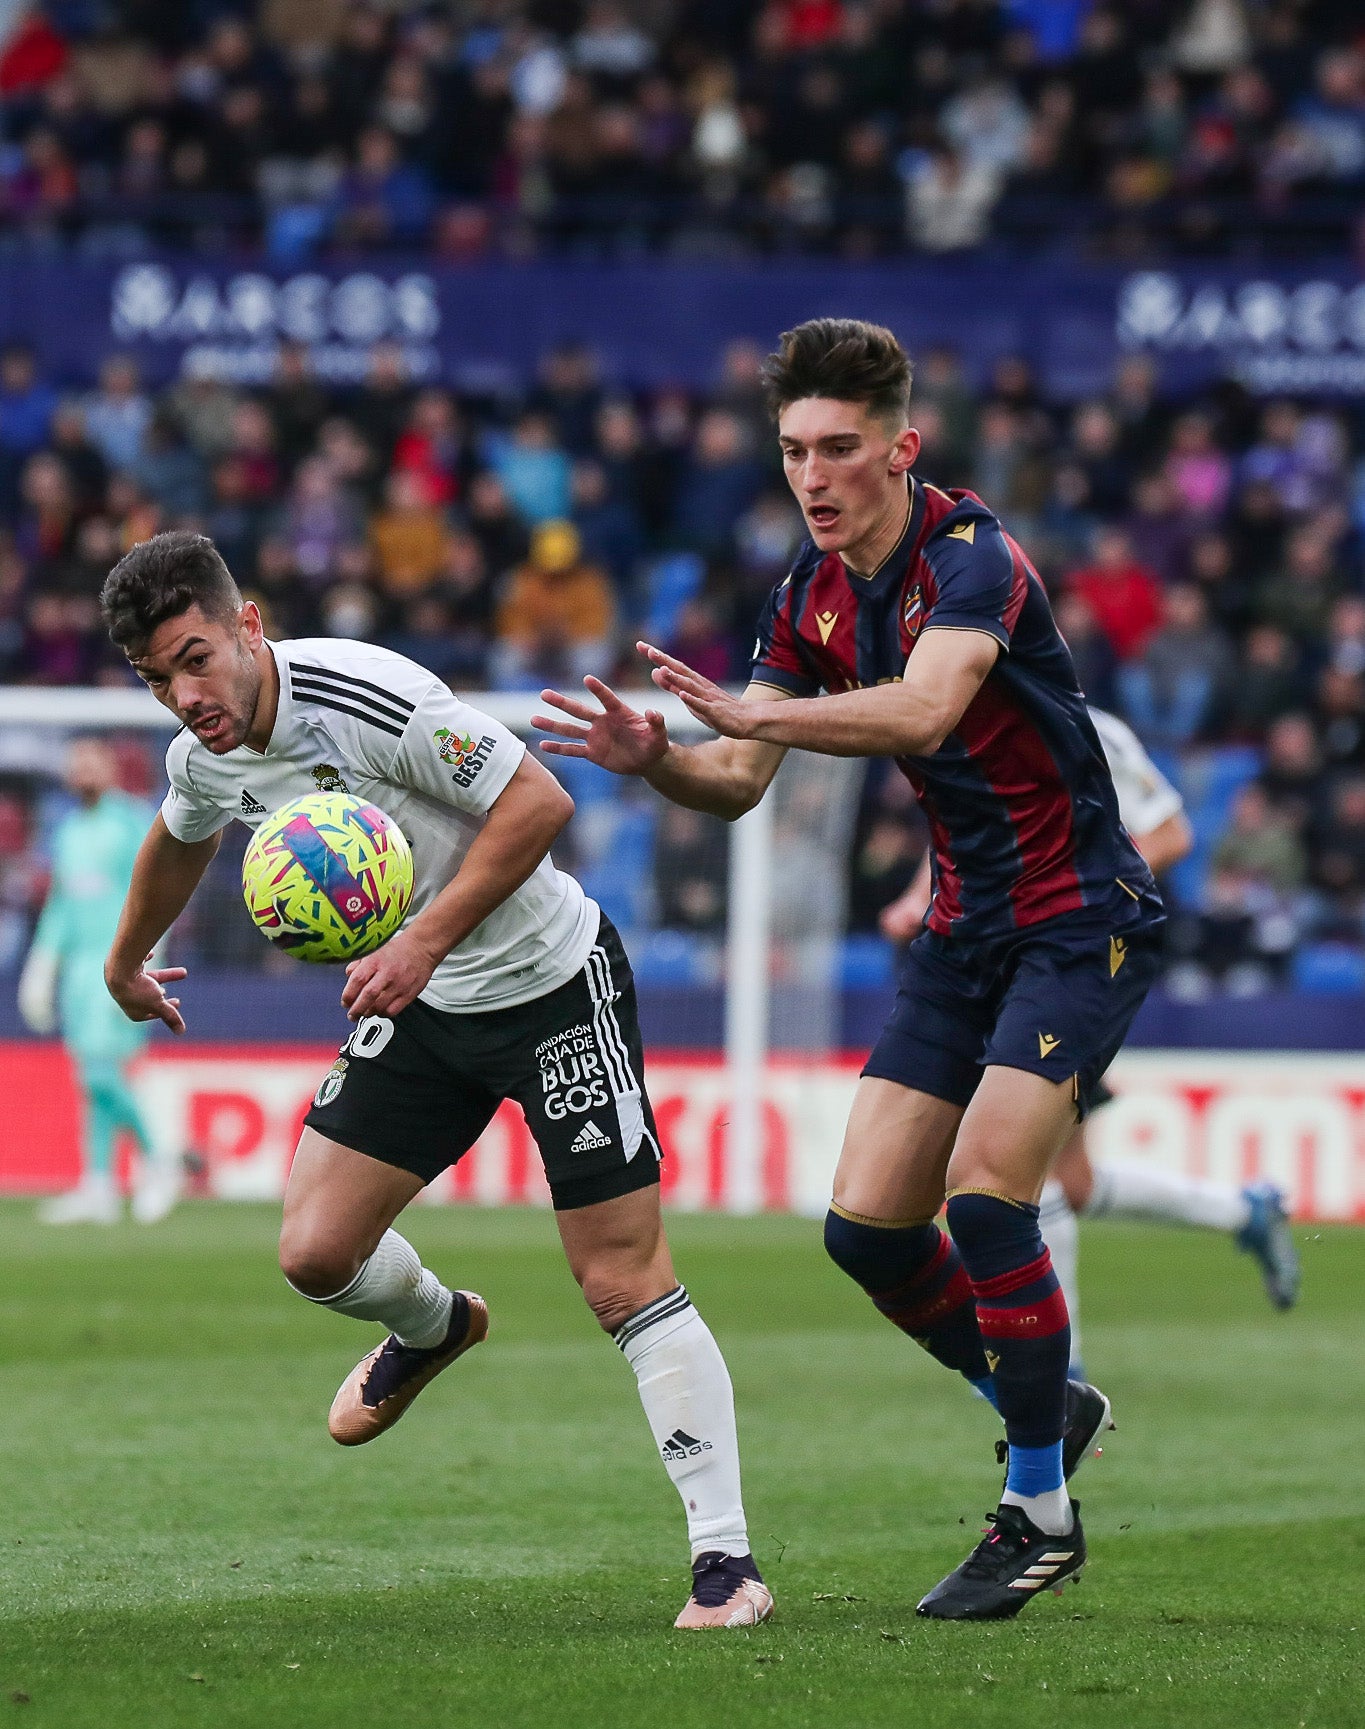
(878, 1256)
(315, 1266)
(614, 1295)
(974, 1167)
(992, 1232)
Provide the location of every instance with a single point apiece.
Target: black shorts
(418, 1090)
(1056, 1001)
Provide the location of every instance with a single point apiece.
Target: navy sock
(1021, 1313)
(915, 1277)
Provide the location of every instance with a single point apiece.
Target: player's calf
(915, 1277)
(619, 1254)
(690, 1406)
(1022, 1315)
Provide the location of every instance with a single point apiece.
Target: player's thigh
(895, 1152)
(917, 1081)
(1011, 1133)
(1073, 1169)
(618, 1253)
(337, 1205)
(574, 1061)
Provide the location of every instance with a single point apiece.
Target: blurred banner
(1298, 1120)
(484, 327)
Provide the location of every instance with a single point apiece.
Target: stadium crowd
(704, 128)
(1206, 559)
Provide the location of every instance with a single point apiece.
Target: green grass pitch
(181, 1544)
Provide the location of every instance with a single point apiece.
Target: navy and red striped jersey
(1021, 805)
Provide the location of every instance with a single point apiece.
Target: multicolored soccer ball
(328, 877)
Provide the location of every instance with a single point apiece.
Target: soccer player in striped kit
(912, 626)
(504, 981)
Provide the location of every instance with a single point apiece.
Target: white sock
(394, 1287)
(1062, 1234)
(1050, 1512)
(685, 1390)
(1129, 1188)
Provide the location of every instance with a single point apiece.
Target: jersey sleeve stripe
(331, 676)
(374, 720)
(309, 687)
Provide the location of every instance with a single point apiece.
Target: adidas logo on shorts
(589, 1138)
(251, 806)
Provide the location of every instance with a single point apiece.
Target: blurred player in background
(62, 986)
(1256, 1217)
(504, 981)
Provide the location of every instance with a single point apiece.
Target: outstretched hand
(614, 736)
(143, 998)
(711, 705)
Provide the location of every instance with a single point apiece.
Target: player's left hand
(385, 982)
(711, 705)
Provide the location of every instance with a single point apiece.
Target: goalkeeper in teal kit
(62, 987)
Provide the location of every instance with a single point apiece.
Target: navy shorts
(1053, 1000)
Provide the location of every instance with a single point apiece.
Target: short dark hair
(161, 578)
(843, 358)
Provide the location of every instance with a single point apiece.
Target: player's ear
(249, 623)
(904, 451)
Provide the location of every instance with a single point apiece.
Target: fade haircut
(846, 359)
(161, 578)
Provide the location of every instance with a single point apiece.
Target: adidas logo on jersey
(251, 806)
(681, 1445)
(589, 1137)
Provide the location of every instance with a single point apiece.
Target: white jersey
(1146, 798)
(356, 718)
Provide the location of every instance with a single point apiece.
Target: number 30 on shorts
(369, 1037)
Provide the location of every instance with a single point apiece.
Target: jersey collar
(890, 573)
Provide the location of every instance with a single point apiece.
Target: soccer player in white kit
(1256, 1216)
(504, 981)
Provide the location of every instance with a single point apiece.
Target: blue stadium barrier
(662, 959)
(1208, 781)
(1329, 969)
(670, 582)
(866, 962)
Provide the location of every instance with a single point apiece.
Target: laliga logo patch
(329, 778)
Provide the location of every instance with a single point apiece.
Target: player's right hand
(903, 919)
(614, 736)
(143, 998)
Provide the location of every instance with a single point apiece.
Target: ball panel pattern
(328, 877)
